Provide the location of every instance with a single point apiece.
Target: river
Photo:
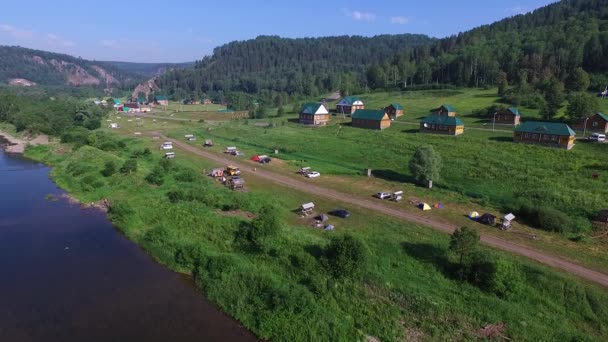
(66, 274)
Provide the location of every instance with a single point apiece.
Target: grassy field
(285, 294)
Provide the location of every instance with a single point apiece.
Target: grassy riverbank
(284, 292)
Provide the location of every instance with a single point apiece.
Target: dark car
(340, 213)
(265, 160)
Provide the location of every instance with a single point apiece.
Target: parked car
(313, 174)
(597, 137)
(340, 213)
(383, 195)
(265, 160)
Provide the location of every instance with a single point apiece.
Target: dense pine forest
(547, 50)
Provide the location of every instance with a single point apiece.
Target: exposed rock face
(22, 82)
(106, 76)
(146, 87)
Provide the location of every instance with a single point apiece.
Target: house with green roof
(509, 116)
(437, 124)
(372, 119)
(161, 100)
(552, 134)
(598, 123)
(141, 100)
(444, 110)
(349, 105)
(314, 114)
(394, 110)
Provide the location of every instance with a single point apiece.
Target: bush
(129, 166)
(90, 183)
(120, 210)
(345, 257)
(264, 227)
(186, 175)
(109, 169)
(507, 279)
(156, 177)
(189, 256)
(552, 220)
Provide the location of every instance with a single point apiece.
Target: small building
(131, 107)
(448, 125)
(444, 110)
(349, 105)
(598, 123)
(314, 114)
(369, 118)
(552, 134)
(141, 100)
(508, 116)
(394, 110)
(206, 101)
(161, 100)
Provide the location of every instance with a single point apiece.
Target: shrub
(345, 257)
(109, 169)
(264, 227)
(76, 168)
(189, 256)
(90, 183)
(155, 177)
(129, 166)
(507, 279)
(186, 175)
(120, 210)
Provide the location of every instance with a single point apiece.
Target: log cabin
(551, 134)
(161, 100)
(444, 110)
(372, 119)
(598, 123)
(508, 116)
(394, 110)
(349, 105)
(314, 114)
(436, 124)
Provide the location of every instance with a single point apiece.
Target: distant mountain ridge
(148, 69)
(21, 66)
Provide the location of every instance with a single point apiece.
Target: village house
(436, 124)
(131, 107)
(206, 101)
(597, 123)
(349, 105)
(508, 116)
(161, 100)
(552, 134)
(141, 100)
(394, 110)
(444, 110)
(369, 118)
(314, 114)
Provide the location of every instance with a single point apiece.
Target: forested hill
(305, 65)
(22, 66)
(148, 69)
(551, 42)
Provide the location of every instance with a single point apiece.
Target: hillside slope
(53, 69)
(148, 69)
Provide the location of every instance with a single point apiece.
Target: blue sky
(185, 30)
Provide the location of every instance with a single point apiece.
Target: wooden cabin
(206, 101)
(551, 134)
(436, 124)
(161, 100)
(394, 110)
(444, 110)
(372, 119)
(349, 105)
(598, 123)
(314, 114)
(508, 116)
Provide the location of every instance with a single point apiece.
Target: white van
(597, 137)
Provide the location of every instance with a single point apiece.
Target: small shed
(509, 116)
(394, 110)
(444, 110)
(368, 118)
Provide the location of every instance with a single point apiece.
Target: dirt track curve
(542, 257)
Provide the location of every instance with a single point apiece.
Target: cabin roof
(602, 115)
(555, 128)
(513, 111)
(311, 108)
(443, 120)
(161, 98)
(447, 107)
(352, 99)
(369, 114)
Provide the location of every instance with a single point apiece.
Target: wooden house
(314, 114)
(436, 124)
(598, 123)
(206, 101)
(349, 105)
(131, 107)
(373, 119)
(508, 116)
(161, 100)
(552, 134)
(444, 110)
(394, 110)
(141, 100)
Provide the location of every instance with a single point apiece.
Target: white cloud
(16, 33)
(359, 15)
(400, 20)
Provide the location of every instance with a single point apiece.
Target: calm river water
(67, 275)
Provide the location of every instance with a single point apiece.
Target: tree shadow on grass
(413, 130)
(391, 175)
(294, 120)
(315, 250)
(501, 139)
(433, 255)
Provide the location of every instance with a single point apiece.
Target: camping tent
(322, 218)
(473, 215)
(255, 158)
(438, 205)
(488, 219)
(424, 206)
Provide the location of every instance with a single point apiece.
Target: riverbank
(406, 288)
(18, 145)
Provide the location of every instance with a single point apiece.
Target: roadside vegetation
(285, 281)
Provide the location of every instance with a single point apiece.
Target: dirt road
(542, 257)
